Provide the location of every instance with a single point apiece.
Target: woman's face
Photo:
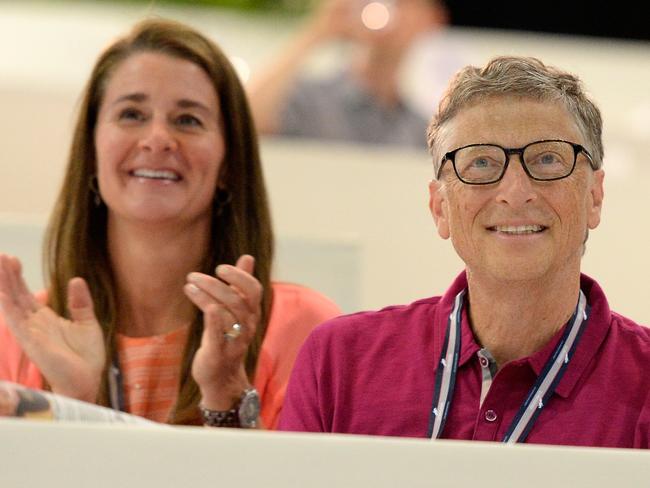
(159, 142)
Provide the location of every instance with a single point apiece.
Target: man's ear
(438, 207)
(597, 193)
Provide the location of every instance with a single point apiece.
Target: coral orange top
(151, 368)
(151, 365)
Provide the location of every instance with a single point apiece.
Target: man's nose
(516, 188)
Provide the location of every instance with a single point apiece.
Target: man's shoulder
(628, 331)
(379, 323)
(621, 331)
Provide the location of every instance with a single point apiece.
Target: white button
(484, 362)
(490, 415)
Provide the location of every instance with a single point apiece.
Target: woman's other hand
(69, 353)
(232, 297)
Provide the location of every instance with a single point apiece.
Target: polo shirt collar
(592, 337)
(468, 344)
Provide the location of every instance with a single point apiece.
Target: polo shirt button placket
(487, 425)
(490, 415)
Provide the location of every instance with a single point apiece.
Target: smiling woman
(159, 141)
(159, 249)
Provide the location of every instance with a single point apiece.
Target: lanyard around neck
(537, 397)
(116, 386)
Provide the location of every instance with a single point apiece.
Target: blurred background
(351, 219)
(620, 19)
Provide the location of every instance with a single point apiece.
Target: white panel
(82, 455)
(329, 266)
(21, 236)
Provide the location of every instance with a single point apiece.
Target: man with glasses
(522, 347)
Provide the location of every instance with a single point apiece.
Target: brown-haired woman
(163, 185)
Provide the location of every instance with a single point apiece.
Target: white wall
(351, 221)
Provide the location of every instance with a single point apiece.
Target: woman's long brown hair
(76, 243)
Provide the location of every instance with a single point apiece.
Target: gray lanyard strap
(116, 386)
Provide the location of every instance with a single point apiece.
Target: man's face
(518, 228)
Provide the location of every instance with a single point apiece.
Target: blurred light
(242, 68)
(375, 15)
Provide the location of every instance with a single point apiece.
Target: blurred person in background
(363, 102)
(158, 253)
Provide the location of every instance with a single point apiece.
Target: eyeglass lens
(546, 160)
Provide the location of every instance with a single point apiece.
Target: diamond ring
(232, 333)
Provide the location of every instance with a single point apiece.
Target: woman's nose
(158, 137)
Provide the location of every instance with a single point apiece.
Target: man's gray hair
(518, 76)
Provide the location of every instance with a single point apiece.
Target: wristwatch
(243, 415)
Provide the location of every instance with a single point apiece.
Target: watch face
(249, 409)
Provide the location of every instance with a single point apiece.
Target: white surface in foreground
(82, 455)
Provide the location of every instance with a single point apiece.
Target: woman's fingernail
(192, 288)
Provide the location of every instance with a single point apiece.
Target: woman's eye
(131, 114)
(188, 120)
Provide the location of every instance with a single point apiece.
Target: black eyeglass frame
(577, 149)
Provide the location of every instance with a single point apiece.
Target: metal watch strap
(218, 418)
(243, 415)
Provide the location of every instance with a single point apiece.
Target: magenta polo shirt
(374, 372)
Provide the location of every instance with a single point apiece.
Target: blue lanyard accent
(449, 371)
(436, 390)
(542, 376)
